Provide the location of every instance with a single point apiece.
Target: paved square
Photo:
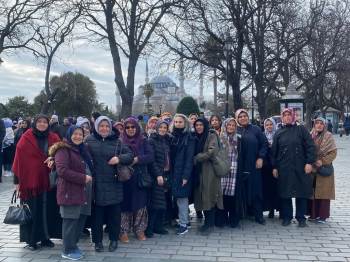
(252, 242)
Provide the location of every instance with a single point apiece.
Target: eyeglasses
(130, 127)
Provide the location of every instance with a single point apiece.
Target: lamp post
(160, 109)
(228, 46)
(148, 92)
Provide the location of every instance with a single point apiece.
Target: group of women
(167, 166)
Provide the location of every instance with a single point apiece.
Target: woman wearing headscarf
(151, 125)
(324, 188)
(254, 149)
(23, 127)
(207, 186)
(270, 192)
(84, 123)
(233, 205)
(8, 147)
(215, 123)
(160, 143)
(119, 126)
(134, 210)
(293, 153)
(33, 184)
(107, 152)
(181, 158)
(74, 165)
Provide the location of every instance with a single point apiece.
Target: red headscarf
(291, 111)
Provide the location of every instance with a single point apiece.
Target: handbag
(220, 161)
(326, 170)
(17, 214)
(124, 172)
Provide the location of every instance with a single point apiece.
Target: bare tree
(16, 18)
(127, 26)
(52, 31)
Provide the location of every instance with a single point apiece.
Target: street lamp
(160, 109)
(228, 46)
(148, 92)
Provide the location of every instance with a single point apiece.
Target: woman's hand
(259, 163)
(160, 181)
(88, 179)
(275, 173)
(308, 168)
(136, 160)
(50, 162)
(113, 161)
(318, 163)
(184, 182)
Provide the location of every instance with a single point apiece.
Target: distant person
(2, 135)
(347, 125)
(329, 126)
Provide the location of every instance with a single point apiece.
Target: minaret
(201, 86)
(182, 78)
(147, 76)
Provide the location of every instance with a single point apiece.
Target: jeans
(287, 208)
(71, 231)
(182, 204)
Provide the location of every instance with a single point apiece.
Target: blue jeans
(182, 204)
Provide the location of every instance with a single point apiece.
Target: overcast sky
(21, 74)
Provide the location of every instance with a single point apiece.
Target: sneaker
(124, 238)
(181, 230)
(321, 221)
(188, 225)
(72, 256)
(286, 222)
(302, 223)
(47, 243)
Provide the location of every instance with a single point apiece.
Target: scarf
(41, 136)
(324, 140)
(270, 135)
(201, 138)
(134, 142)
(291, 111)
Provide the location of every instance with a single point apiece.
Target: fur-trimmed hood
(57, 146)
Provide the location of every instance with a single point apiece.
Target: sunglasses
(130, 127)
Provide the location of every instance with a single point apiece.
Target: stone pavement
(252, 242)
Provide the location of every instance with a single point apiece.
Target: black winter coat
(292, 149)
(161, 148)
(107, 190)
(2, 132)
(182, 154)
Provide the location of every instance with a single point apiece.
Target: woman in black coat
(108, 192)
(293, 153)
(181, 156)
(160, 142)
(134, 207)
(254, 148)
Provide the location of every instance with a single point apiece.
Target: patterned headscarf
(324, 140)
(238, 112)
(269, 135)
(291, 111)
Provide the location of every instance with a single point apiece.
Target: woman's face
(199, 128)
(163, 129)
(86, 130)
(77, 136)
(130, 129)
(319, 126)
(243, 119)
(42, 124)
(215, 122)
(152, 124)
(287, 118)
(120, 128)
(104, 129)
(24, 124)
(179, 122)
(193, 119)
(268, 126)
(231, 127)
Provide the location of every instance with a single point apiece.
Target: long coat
(209, 193)
(107, 189)
(182, 151)
(292, 149)
(324, 186)
(161, 148)
(135, 197)
(254, 145)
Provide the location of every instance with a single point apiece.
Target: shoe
(234, 224)
(188, 225)
(113, 245)
(86, 232)
(32, 247)
(149, 233)
(312, 219)
(199, 214)
(141, 236)
(271, 214)
(99, 247)
(124, 238)
(321, 221)
(47, 243)
(205, 230)
(72, 256)
(286, 222)
(302, 223)
(181, 230)
(260, 221)
(161, 231)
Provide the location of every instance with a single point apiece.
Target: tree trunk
(46, 106)
(215, 85)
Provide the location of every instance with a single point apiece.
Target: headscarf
(149, 130)
(324, 140)
(224, 135)
(238, 112)
(98, 122)
(38, 133)
(291, 111)
(269, 135)
(118, 124)
(135, 142)
(220, 121)
(159, 123)
(54, 119)
(81, 147)
(201, 138)
(82, 120)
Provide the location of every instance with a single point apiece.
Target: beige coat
(324, 187)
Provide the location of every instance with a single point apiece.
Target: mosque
(166, 93)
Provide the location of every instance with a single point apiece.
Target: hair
(187, 123)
